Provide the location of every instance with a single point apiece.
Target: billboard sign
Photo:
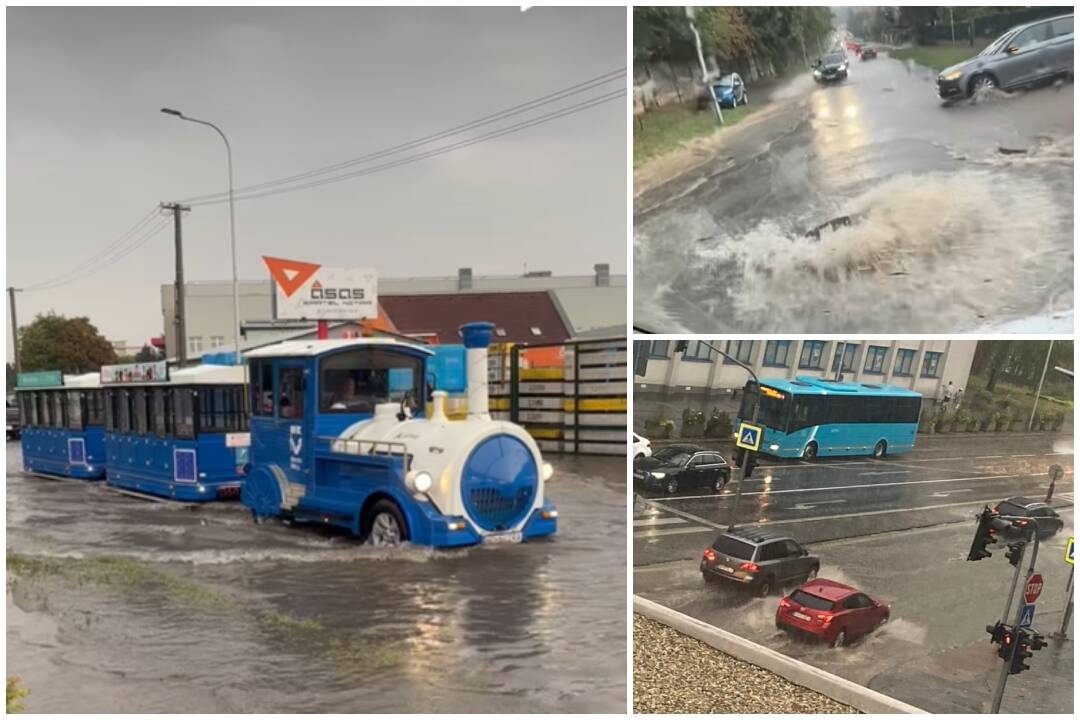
(135, 373)
(44, 379)
(305, 291)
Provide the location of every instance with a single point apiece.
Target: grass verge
(667, 128)
(937, 57)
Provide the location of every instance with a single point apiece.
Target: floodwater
(958, 217)
(116, 604)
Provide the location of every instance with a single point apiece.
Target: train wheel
(386, 525)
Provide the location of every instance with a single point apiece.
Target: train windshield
(358, 380)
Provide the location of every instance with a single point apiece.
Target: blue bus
(182, 435)
(340, 435)
(62, 425)
(811, 417)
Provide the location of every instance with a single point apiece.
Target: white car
(641, 447)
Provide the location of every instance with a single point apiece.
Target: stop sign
(1033, 588)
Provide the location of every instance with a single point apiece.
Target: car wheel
(840, 639)
(718, 486)
(672, 486)
(386, 525)
(765, 587)
(880, 448)
(980, 85)
(810, 451)
(812, 574)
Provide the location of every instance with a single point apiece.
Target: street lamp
(232, 224)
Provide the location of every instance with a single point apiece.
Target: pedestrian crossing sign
(749, 437)
(1069, 551)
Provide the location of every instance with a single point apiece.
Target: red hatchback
(830, 611)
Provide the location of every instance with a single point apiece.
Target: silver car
(1025, 55)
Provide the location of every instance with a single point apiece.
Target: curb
(796, 671)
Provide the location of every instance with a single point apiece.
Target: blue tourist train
(62, 418)
(181, 435)
(341, 434)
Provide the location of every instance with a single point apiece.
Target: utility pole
(999, 691)
(1038, 391)
(179, 321)
(704, 70)
(14, 327)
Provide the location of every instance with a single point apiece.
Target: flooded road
(122, 605)
(936, 212)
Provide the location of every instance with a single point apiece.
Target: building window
(217, 341)
(776, 353)
(905, 358)
(697, 351)
(659, 348)
(875, 359)
(810, 357)
(194, 344)
(931, 365)
(535, 331)
(740, 350)
(501, 332)
(849, 357)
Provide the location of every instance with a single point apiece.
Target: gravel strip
(674, 673)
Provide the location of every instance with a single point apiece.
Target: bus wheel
(880, 448)
(385, 525)
(810, 451)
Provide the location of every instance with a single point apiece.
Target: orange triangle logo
(289, 274)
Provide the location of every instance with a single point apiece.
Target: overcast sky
(89, 153)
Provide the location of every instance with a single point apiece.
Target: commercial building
(702, 379)
(535, 307)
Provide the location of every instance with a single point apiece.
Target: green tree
(70, 345)
(147, 354)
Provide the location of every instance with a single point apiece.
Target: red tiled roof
(442, 314)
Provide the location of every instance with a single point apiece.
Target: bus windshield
(358, 380)
(771, 411)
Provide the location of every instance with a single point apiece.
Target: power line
(87, 272)
(590, 84)
(573, 109)
(98, 255)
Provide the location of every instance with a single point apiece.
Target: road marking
(1066, 496)
(658, 521)
(673, 531)
(807, 506)
(728, 493)
(888, 472)
(683, 513)
(951, 492)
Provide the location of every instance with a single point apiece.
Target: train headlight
(418, 482)
(546, 471)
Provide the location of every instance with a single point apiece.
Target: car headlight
(817, 73)
(954, 75)
(658, 476)
(418, 482)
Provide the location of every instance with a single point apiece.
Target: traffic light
(1038, 642)
(1022, 653)
(1002, 636)
(984, 535)
(1015, 553)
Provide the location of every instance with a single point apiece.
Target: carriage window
(57, 409)
(291, 392)
(356, 381)
(42, 400)
(74, 410)
(220, 409)
(183, 402)
(95, 407)
(139, 411)
(110, 410)
(262, 388)
(123, 417)
(29, 410)
(157, 412)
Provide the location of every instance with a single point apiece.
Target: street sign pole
(1055, 473)
(1012, 587)
(1063, 633)
(1003, 676)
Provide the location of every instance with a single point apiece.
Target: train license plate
(507, 537)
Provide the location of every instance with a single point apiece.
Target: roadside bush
(693, 423)
(15, 693)
(1057, 419)
(942, 422)
(1002, 419)
(988, 422)
(659, 428)
(719, 425)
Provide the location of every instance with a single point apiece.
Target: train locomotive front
(381, 472)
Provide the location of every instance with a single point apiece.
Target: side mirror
(804, 552)
(1012, 49)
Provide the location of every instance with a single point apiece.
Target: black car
(831, 68)
(1046, 518)
(14, 421)
(868, 53)
(758, 559)
(680, 466)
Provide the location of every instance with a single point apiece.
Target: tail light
(710, 555)
(824, 619)
(749, 567)
(785, 603)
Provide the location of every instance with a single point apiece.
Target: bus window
(74, 410)
(262, 388)
(139, 411)
(806, 411)
(57, 409)
(291, 392)
(184, 413)
(95, 407)
(219, 409)
(123, 417)
(358, 380)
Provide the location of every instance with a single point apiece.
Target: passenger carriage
(181, 436)
(62, 424)
(340, 436)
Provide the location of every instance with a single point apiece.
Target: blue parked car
(730, 91)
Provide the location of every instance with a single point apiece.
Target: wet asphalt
(900, 530)
(117, 604)
(936, 209)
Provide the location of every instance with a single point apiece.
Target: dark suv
(682, 466)
(1048, 522)
(758, 559)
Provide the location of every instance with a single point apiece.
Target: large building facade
(702, 379)
(534, 307)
